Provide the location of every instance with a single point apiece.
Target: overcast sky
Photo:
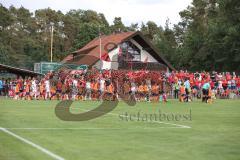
(131, 11)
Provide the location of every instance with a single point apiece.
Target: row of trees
(25, 37)
(209, 35)
(206, 38)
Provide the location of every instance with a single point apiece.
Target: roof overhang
(18, 71)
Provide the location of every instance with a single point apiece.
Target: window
(130, 52)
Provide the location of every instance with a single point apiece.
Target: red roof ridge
(115, 38)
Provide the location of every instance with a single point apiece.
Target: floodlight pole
(51, 51)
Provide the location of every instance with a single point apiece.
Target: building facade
(127, 50)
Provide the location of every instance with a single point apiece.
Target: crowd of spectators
(123, 84)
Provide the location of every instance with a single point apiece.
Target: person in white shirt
(47, 88)
(88, 90)
(34, 88)
(133, 90)
(74, 88)
(101, 88)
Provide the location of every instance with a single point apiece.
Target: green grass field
(213, 132)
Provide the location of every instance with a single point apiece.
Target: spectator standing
(1, 86)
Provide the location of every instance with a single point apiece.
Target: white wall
(144, 54)
(113, 55)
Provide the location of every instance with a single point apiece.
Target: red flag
(105, 57)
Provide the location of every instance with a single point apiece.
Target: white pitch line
(86, 128)
(64, 128)
(56, 157)
(178, 125)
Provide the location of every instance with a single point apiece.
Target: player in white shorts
(34, 88)
(47, 88)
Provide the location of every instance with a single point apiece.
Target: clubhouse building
(125, 50)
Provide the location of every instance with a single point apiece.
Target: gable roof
(92, 49)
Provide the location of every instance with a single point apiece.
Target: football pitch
(30, 130)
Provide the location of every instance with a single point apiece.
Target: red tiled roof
(113, 38)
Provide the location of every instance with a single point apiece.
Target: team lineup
(110, 85)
